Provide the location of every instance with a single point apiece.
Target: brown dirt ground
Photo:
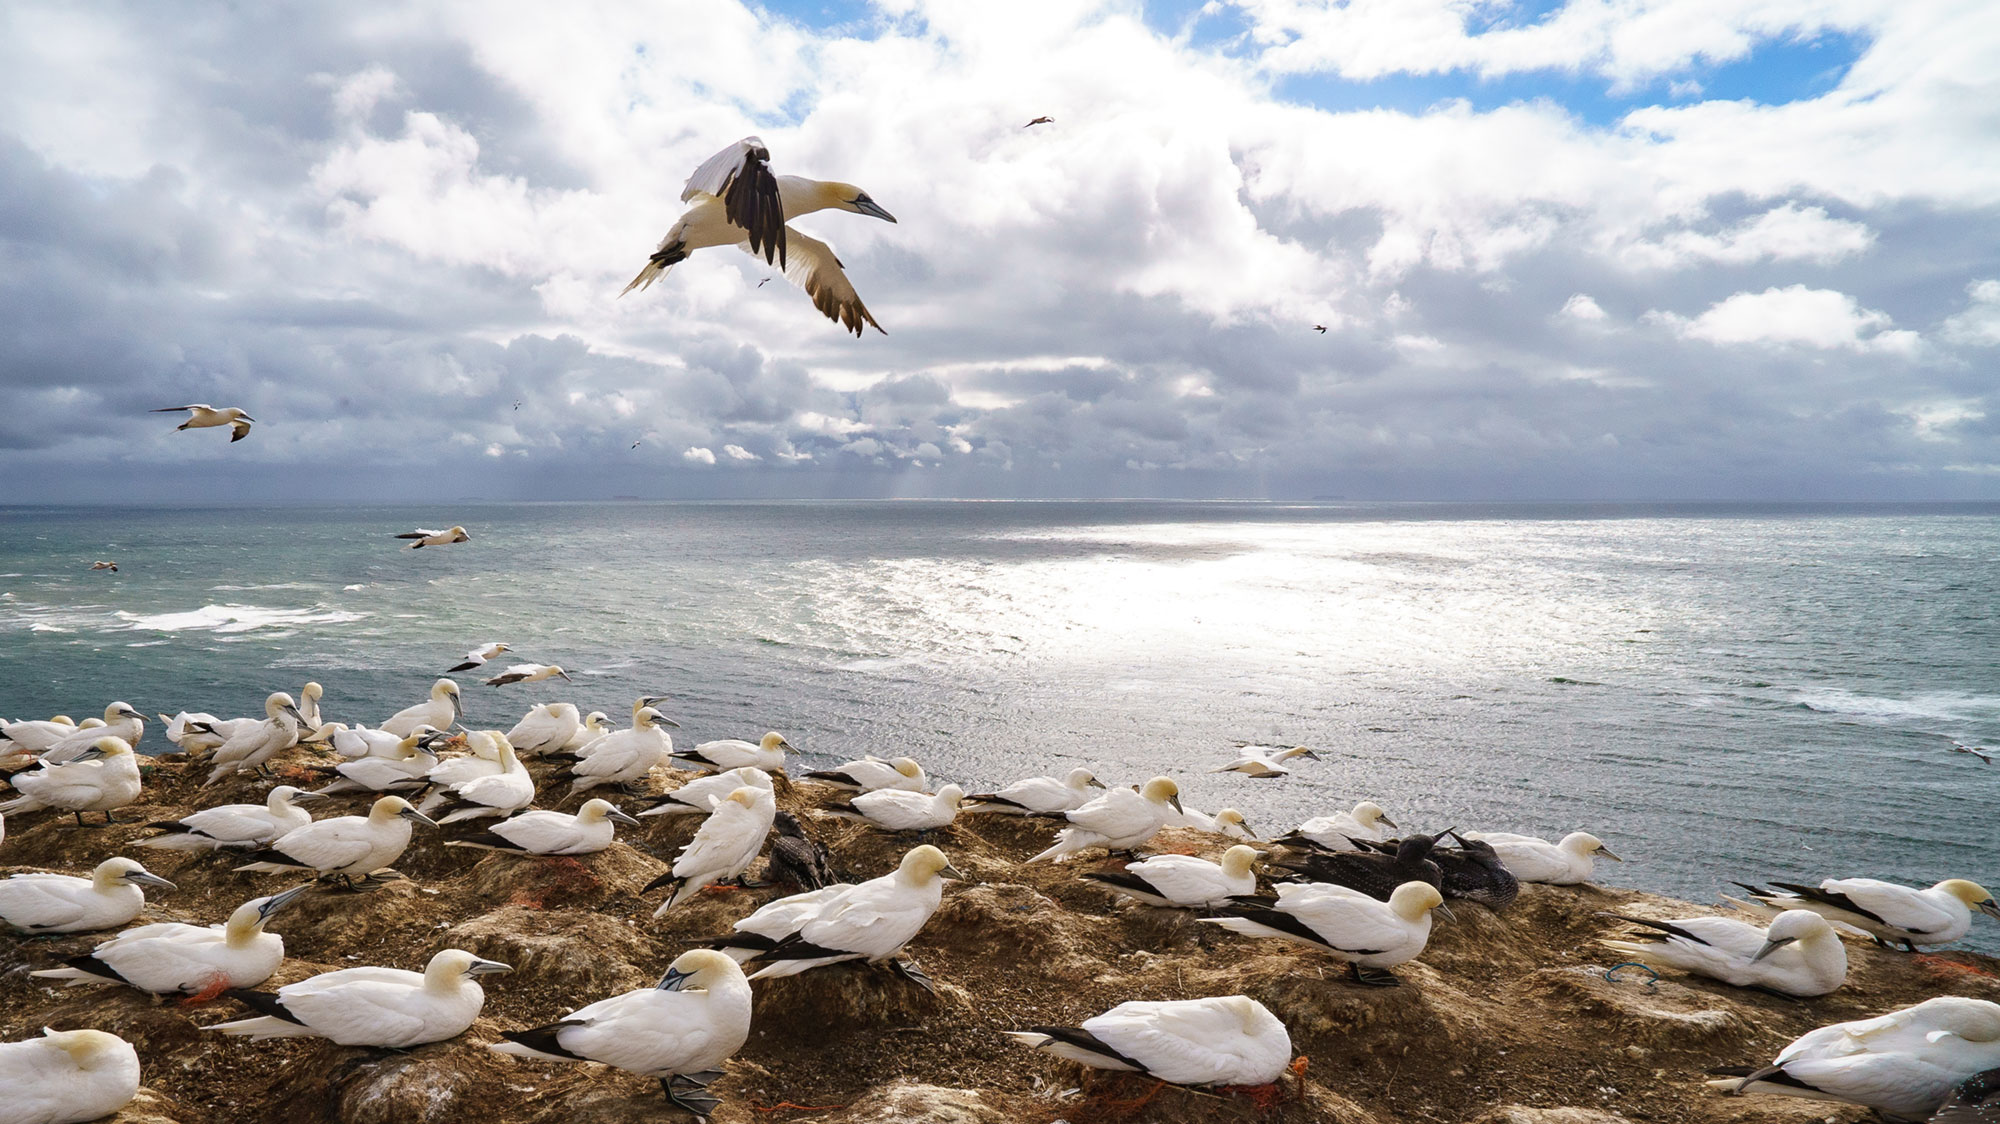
(1507, 1019)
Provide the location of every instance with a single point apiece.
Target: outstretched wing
(740, 176)
(238, 431)
(820, 274)
(178, 409)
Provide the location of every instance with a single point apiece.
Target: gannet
(872, 773)
(552, 833)
(736, 201)
(596, 724)
(440, 710)
(120, 721)
(1119, 820)
(35, 737)
(624, 756)
(722, 848)
(872, 921)
(104, 564)
(405, 769)
(203, 416)
(1374, 873)
(1473, 872)
(1371, 936)
(381, 1007)
(235, 825)
(176, 959)
(1892, 914)
(797, 859)
(344, 846)
(354, 741)
(427, 537)
(481, 760)
(309, 696)
(193, 731)
(761, 931)
(1039, 794)
(1185, 882)
(1231, 823)
(680, 1031)
(1263, 762)
(64, 903)
(546, 727)
(696, 797)
(66, 1077)
(478, 656)
(1226, 1040)
(103, 778)
(768, 754)
(1039, 121)
(1975, 1101)
(1904, 1064)
(1799, 955)
(1339, 831)
(893, 809)
(1567, 863)
(247, 751)
(496, 795)
(528, 673)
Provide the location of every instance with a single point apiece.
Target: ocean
(1719, 692)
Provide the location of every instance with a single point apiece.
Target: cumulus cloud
(1794, 315)
(1979, 324)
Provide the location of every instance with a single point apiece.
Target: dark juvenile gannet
(798, 859)
(201, 416)
(1977, 1101)
(1373, 872)
(1473, 872)
(734, 200)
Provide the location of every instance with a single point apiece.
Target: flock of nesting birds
(1343, 884)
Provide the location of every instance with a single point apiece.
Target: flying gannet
(1263, 762)
(528, 673)
(103, 778)
(1039, 121)
(1904, 1064)
(1568, 863)
(476, 657)
(1799, 955)
(1039, 794)
(1184, 881)
(1119, 820)
(736, 201)
(1369, 935)
(176, 959)
(871, 921)
(1890, 913)
(66, 1077)
(64, 903)
(552, 833)
(1225, 1040)
(102, 564)
(440, 710)
(202, 416)
(872, 773)
(235, 825)
(424, 537)
(381, 1007)
(722, 848)
(680, 1031)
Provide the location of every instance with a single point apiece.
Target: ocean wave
(1924, 708)
(274, 585)
(233, 618)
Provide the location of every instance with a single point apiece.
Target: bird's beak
(248, 418)
(615, 814)
(91, 754)
(674, 980)
(565, 676)
(487, 968)
(1446, 910)
(1990, 908)
(146, 879)
(786, 746)
(1175, 800)
(665, 721)
(872, 209)
(276, 902)
(202, 726)
(1390, 822)
(1094, 783)
(457, 708)
(1310, 755)
(951, 871)
(304, 797)
(128, 712)
(1770, 947)
(1604, 852)
(652, 700)
(294, 712)
(415, 816)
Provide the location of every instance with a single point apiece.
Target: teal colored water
(1718, 692)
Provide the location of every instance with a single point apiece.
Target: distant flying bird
(635, 444)
(1039, 121)
(478, 656)
(1320, 328)
(427, 537)
(517, 404)
(764, 282)
(113, 567)
(736, 201)
(1956, 747)
(201, 416)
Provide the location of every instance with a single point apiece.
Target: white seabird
(528, 673)
(1184, 881)
(698, 795)
(482, 759)
(33, 737)
(893, 809)
(767, 753)
(1119, 820)
(1039, 794)
(1369, 935)
(722, 848)
(249, 749)
(121, 720)
(309, 696)
(872, 773)
(774, 921)
(1225, 1040)
(1904, 1064)
(498, 794)
(424, 537)
(406, 768)
(1568, 863)
(103, 778)
(736, 201)
(64, 903)
(193, 731)
(545, 728)
(235, 825)
(67, 1077)
(1890, 913)
(595, 725)
(440, 710)
(176, 959)
(380, 1007)
(1263, 762)
(1800, 955)
(349, 847)
(476, 657)
(624, 756)
(680, 1031)
(203, 416)
(872, 921)
(1344, 831)
(552, 833)
(1228, 822)
(354, 742)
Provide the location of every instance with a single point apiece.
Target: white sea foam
(233, 618)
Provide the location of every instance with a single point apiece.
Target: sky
(1562, 249)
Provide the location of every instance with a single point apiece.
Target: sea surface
(1719, 692)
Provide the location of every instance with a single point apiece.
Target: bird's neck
(801, 196)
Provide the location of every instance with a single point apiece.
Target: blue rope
(1652, 985)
